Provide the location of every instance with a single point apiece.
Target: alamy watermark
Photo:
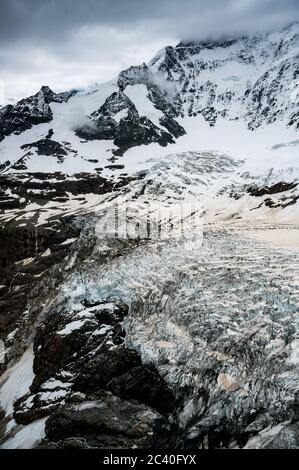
(132, 220)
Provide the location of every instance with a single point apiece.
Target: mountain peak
(46, 89)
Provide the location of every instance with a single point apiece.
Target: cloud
(166, 86)
(94, 54)
(52, 20)
(71, 43)
(76, 118)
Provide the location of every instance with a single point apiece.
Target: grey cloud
(53, 19)
(66, 43)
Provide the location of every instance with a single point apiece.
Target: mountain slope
(251, 80)
(127, 321)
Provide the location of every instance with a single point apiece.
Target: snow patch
(16, 381)
(28, 437)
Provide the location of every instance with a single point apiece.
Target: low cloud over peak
(69, 43)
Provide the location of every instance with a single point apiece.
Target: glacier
(186, 340)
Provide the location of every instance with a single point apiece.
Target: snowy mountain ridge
(253, 78)
(237, 97)
(250, 80)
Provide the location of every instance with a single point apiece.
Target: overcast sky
(74, 43)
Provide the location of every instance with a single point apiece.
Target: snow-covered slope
(250, 80)
(239, 97)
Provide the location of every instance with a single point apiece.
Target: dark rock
(104, 367)
(95, 390)
(131, 130)
(274, 189)
(56, 185)
(50, 134)
(172, 126)
(134, 75)
(145, 385)
(115, 167)
(106, 423)
(29, 112)
(4, 165)
(139, 132)
(18, 243)
(47, 147)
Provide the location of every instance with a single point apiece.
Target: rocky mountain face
(30, 111)
(251, 79)
(83, 362)
(261, 87)
(193, 79)
(148, 341)
(119, 120)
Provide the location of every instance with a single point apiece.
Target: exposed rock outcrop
(30, 111)
(95, 389)
(119, 120)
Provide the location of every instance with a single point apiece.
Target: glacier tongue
(212, 310)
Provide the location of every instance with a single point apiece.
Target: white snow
(103, 330)
(90, 404)
(52, 384)
(52, 396)
(69, 241)
(28, 437)
(120, 115)
(70, 327)
(107, 306)
(16, 381)
(138, 95)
